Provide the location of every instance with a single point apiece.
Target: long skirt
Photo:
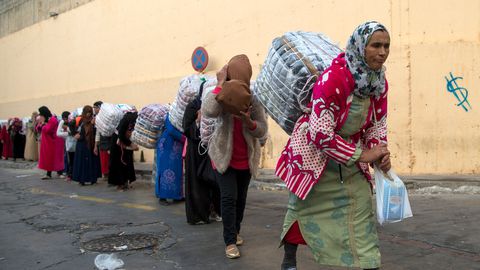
(31, 147)
(200, 195)
(337, 219)
(19, 146)
(122, 170)
(86, 165)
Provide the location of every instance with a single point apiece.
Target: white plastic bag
(392, 197)
(108, 262)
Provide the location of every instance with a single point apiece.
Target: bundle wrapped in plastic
(150, 122)
(126, 108)
(108, 119)
(294, 62)
(189, 87)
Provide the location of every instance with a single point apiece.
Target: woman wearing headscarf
(202, 197)
(7, 151)
(31, 146)
(325, 162)
(18, 138)
(122, 170)
(86, 165)
(64, 131)
(52, 147)
(234, 148)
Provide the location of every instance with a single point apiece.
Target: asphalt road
(55, 224)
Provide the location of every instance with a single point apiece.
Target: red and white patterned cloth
(315, 140)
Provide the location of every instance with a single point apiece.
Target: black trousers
(71, 158)
(233, 186)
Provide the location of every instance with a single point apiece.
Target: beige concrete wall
(18, 14)
(136, 51)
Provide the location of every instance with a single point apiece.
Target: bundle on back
(294, 62)
(149, 125)
(108, 119)
(189, 87)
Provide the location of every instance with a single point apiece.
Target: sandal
(239, 240)
(232, 252)
(46, 177)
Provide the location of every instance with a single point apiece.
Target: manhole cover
(112, 243)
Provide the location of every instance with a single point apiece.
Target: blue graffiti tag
(460, 93)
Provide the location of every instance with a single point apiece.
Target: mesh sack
(285, 82)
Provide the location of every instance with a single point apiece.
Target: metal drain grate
(113, 243)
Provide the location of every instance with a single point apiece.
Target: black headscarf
(126, 124)
(45, 112)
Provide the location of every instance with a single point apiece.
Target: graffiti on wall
(460, 93)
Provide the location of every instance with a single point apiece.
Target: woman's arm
(190, 120)
(327, 97)
(259, 126)
(60, 131)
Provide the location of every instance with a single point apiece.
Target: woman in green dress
(325, 162)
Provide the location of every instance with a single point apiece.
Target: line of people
(325, 162)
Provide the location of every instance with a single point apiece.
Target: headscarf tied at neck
(368, 82)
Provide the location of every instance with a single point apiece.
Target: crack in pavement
(425, 245)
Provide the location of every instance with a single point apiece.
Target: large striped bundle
(294, 61)
(189, 87)
(109, 117)
(150, 122)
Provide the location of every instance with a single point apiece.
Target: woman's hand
(77, 136)
(384, 164)
(374, 154)
(246, 118)
(222, 75)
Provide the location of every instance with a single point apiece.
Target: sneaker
(215, 217)
(61, 176)
(46, 177)
(239, 240)
(232, 252)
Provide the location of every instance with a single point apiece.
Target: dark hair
(45, 112)
(98, 104)
(65, 115)
(126, 124)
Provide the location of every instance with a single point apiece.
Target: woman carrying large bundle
(234, 147)
(325, 162)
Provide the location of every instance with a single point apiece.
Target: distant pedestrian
(31, 146)
(7, 151)
(18, 138)
(86, 166)
(64, 131)
(122, 170)
(52, 147)
(102, 144)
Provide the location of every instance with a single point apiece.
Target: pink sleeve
(376, 131)
(324, 118)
